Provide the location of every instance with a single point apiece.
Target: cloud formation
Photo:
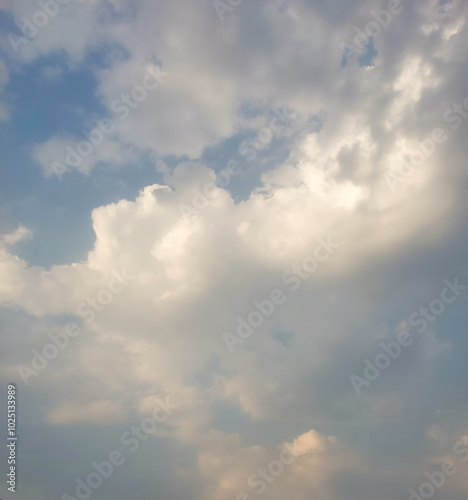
(355, 170)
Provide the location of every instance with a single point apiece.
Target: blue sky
(260, 253)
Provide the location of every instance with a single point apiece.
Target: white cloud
(21, 233)
(53, 154)
(98, 412)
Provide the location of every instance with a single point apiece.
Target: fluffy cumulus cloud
(252, 312)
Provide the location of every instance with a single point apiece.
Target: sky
(233, 249)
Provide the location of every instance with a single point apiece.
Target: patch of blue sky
(57, 213)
